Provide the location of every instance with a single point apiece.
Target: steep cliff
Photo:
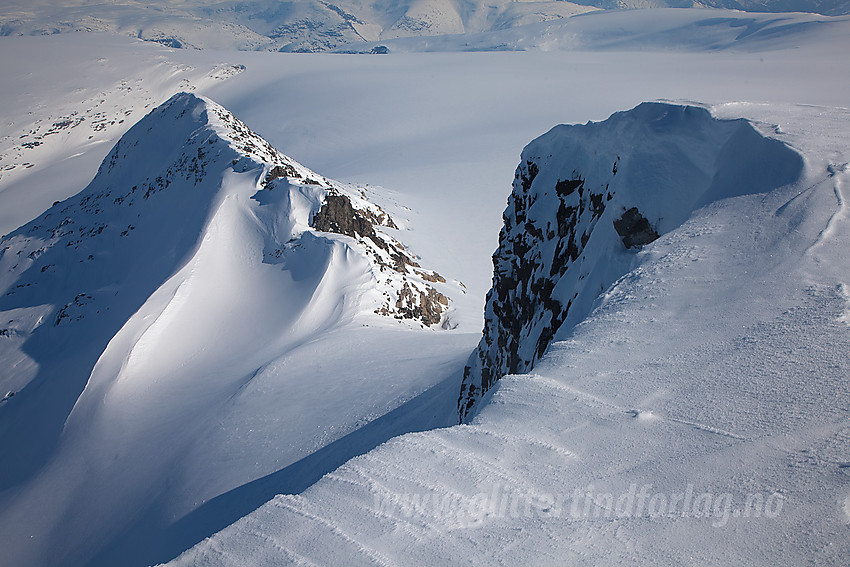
(585, 200)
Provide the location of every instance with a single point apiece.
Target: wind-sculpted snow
(697, 416)
(166, 299)
(584, 199)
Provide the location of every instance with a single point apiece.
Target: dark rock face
(337, 215)
(414, 299)
(584, 198)
(407, 290)
(285, 170)
(427, 306)
(545, 232)
(634, 229)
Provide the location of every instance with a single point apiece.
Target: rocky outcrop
(171, 187)
(337, 215)
(585, 199)
(344, 209)
(412, 297)
(634, 229)
(544, 235)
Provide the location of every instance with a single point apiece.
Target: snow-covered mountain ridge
(57, 143)
(584, 199)
(718, 362)
(319, 25)
(669, 29)
(697, 416)
(329, 205)
(170, 296)
(302, 26)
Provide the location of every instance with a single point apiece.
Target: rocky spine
(586, 199)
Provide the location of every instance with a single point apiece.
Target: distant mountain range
(319, 25)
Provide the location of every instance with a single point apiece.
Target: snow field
(710, 379)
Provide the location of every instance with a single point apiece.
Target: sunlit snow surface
(718, 363)
(698, 416)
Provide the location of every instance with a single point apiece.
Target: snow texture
(692, 347)
(697, 416)
(168, 307)
(584, 198)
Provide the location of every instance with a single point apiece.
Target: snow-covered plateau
(212, 352)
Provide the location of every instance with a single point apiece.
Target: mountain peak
(195, 147)
(197, 260)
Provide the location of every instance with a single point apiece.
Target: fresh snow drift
(151, 322)
(697, 415)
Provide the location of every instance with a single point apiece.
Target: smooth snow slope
(166, 335)
(698, 416)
